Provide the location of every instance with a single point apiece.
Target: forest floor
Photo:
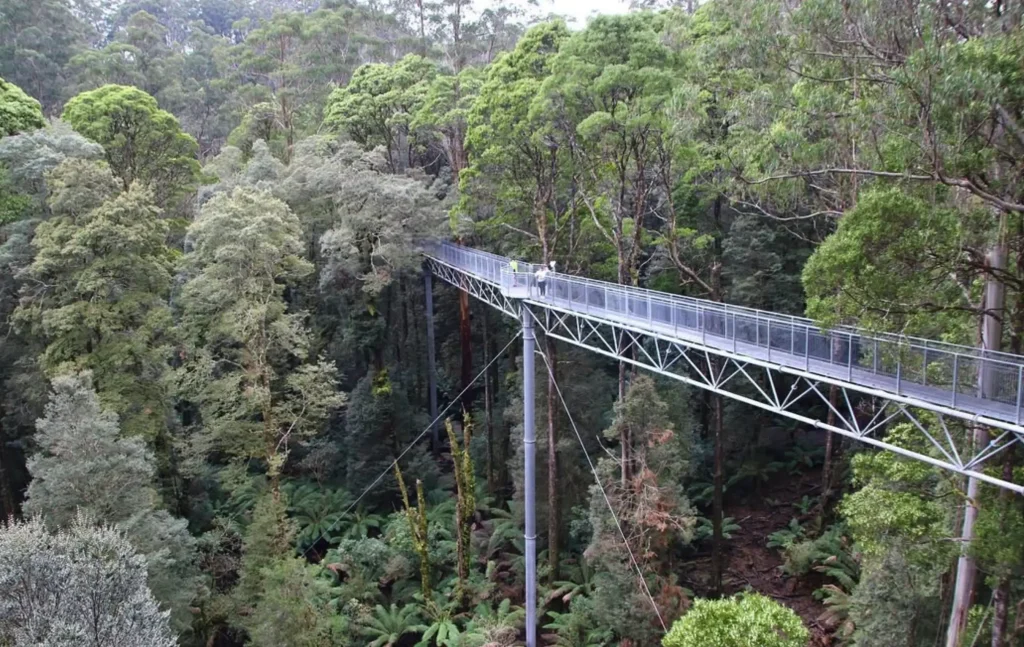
(750, 564)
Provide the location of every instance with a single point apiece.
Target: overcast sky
(582, 9)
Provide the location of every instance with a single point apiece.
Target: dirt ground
(751, 564)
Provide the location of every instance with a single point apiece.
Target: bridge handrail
(666, 297)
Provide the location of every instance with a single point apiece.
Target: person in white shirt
(542, 279)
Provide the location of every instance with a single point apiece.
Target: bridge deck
(944, 375)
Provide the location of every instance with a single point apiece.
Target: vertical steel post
(956, 377)
(529, 496)
(1020, 379)
(849, 356)
(807, 348)
(428, 288)
(733, 329)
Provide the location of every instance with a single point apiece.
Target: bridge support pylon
(529, 464)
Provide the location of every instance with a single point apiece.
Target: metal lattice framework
(476, 287)
(793, 390)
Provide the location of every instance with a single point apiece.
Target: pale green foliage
(26, 160)
(246, 248)
(385, 627)
(142, 142)
(290, 60)
(380, 219)
(295, 608)
(378, 105)
(442, 629)
(18, 111)
(509, 157)
(85, 465)
(865, 274)
(84, 586)
(84, 462)
(29, 157)
(108, 270)
(268, 540)
(830, 554)
(749, 620)
(258, 124)
(139, 56)
(443, 113)
(495, 626)
(897, 603)
(897, 503)
(317, 513)
(902, 524)
(37, 39)
(577, 629)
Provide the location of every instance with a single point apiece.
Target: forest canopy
(219, 390)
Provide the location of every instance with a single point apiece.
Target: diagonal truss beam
(483, 290)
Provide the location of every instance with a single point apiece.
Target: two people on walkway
(541, 275)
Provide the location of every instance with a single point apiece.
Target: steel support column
(529, 495)
(428, 288)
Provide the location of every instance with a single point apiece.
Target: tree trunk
(553, 484)
(466, 344)
(1001, 594)
(488, 406)
(623, 435)
(717, 515)
(6, 493)
(991, 340)
(423, 27)
(826, 470)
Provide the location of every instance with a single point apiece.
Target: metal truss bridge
(776, 362)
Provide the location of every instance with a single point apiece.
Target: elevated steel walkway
(742, 353)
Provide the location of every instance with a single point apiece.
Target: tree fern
(385, 627)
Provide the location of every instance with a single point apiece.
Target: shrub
(749, 620)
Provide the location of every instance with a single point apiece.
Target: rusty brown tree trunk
(553, 481)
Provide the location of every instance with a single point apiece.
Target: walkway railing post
(529, 496)
(924, 369)
(733, 331)
(807, 349)
(428, 288)
(1020, 379)
(849, 357)
(956, 376)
